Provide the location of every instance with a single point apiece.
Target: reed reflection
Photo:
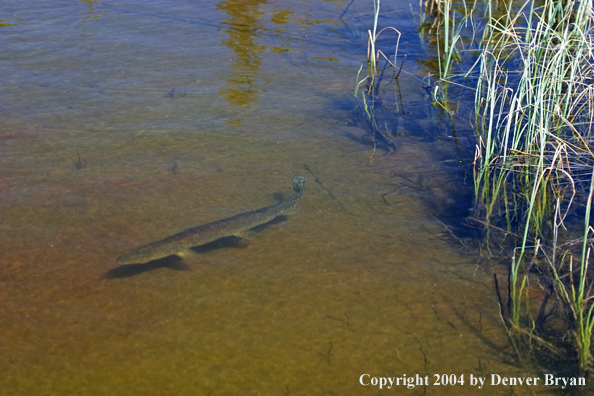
(92, 13)
(244, 19)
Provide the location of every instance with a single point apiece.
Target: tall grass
(534, 112)
(442, 24)
(533, 166)
(374, 54)
(444, 21)
(451, 30)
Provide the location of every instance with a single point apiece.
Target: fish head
(298, 183)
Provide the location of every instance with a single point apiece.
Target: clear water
(125, 122)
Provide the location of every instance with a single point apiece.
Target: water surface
(125, 122)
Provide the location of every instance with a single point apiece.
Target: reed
(533, 165)
(535, 130)
(374, 54)
(444, 22)
(371, 107)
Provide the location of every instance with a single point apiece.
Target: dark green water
(125, 122)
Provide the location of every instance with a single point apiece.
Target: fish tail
(298, 183)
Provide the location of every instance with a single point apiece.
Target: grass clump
(533, 165)
(532, 78)
(373, 109)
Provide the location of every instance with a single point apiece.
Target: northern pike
(180, 243)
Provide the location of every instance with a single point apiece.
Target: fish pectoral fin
(247, 234)
(189, 255)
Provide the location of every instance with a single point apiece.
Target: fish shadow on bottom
(176, 263)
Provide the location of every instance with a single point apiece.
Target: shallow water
(123, 123)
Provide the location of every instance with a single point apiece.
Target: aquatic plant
(447, 29)
(533, 164)
(374, 53)
(443, 21)
(535, 131)
(371, 102)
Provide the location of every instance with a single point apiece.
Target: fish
(239, 225)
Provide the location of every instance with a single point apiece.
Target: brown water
(100, 154)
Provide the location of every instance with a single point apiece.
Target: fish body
(179, 243)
